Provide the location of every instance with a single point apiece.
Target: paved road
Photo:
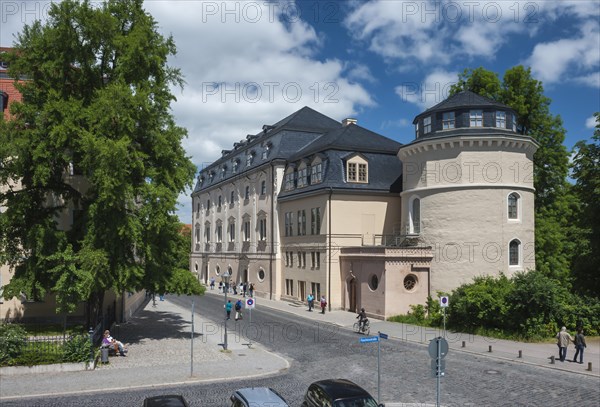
(314, 348)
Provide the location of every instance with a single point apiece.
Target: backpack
(238, 305)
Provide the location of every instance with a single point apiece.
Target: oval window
(410, 282)
(373, 282)
(218, 270)
(261, 275)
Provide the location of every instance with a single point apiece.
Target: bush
(77, 349)
(12, 342)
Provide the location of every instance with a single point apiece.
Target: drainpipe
(272, 231)
(329, 252)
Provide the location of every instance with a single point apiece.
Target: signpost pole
(438, 370)
(192, 346)
(378, 372)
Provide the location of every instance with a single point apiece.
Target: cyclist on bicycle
(363, 319)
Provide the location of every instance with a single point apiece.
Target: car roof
(341, 388)
(170, 400)
(260, 394)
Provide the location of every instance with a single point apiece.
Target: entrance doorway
(302, 290)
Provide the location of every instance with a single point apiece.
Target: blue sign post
(369, 339)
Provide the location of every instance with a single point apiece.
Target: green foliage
(425, 315)
(586, 170)
(97, 101)
(77, 349)
(12, 341)
(530, 305)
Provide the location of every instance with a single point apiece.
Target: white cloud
(431, 91)
(569, 58)
(590, 122)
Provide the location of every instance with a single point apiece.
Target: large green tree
(555, 206)
(93, 137)
(586, 172)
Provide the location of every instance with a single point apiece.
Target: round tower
(468, 190)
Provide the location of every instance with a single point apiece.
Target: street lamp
(226, 277)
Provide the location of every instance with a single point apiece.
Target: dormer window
(223, 172)
(448, 120)
(316, 175)
(417, 130)
(357, 170)
(249, 159)
(265, 152)
(289, 181)
(302, 177)
(476, 118)
(501, 119)
(427, 125)
(234, 166)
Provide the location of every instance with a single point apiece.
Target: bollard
(490, 349)
(552, 359)
(589, 366)
(520, 354)
(463, 344)
(91, 332)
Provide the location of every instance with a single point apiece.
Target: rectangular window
(247, 231)
(300, 259)
(219, 233)
(501, 119)
(476, 118)
(351, 176)
(262, 229)
(289, 181)
(448, 120)
(302, 223)
(263, 188)
(427, 125)
(197, 235)
(232, 198)
(316, 175)
(234, 167)
(362, 172)
(289, 287)
(287, 259)
(291, 259)
(207, 206)
(289, 224)
(417, 130)
(207, 233)
(232, 232)
(318, 260)
(247, 193)
(303, 259)
(219, 202)
(249, 158)
(315, 221)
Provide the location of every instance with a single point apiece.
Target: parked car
(338, 393)
(171, 400)
(257, 397)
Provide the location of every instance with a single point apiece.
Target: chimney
(349, 121)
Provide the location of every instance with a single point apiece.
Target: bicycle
(364, 329)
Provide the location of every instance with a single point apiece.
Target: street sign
(444, 302)
(369, 339)
(438, 370)
(250, 303)
(382, 335)
(433, 348)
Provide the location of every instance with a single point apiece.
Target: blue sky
(249, 63)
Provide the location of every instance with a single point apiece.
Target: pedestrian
(212, 283)
(228, 307)
(234, 288)
(238, 309)
(161, 297)
(562, 340)
(311, 300)
(323, 304)
(221, 286)
(251, 290)
(579, 345)
(245, 288)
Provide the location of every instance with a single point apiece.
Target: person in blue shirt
(311, 300)
(228, 307)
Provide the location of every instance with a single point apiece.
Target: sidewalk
(159, 342)
(532, 353)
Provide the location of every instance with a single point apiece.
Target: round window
(373, 282)
(218, 270)
(410, 282)
(261, 275)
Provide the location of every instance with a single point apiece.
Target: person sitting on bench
(111, 342)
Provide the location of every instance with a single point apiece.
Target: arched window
(513, 206)
(514, 249)
(415, 216)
